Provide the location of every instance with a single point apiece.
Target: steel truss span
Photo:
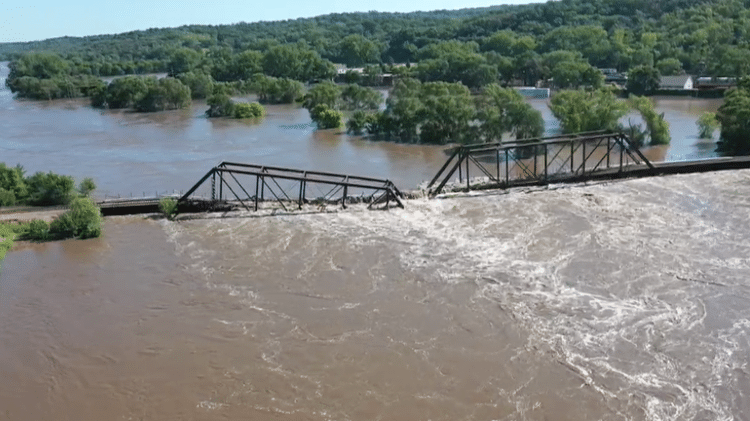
(252, 186)
(566, 158)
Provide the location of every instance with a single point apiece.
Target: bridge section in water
(565, 158)
(252, 186)
(561, 159)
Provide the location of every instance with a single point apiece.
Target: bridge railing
(536, 161)
(253, 185)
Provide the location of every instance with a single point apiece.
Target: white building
(676, 82)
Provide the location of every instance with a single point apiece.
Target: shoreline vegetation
(82, 219)
(444, 68)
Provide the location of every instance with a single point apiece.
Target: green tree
(246, 64)
(38, 230)
(296, 62)
(46, 189)
(669, 66)
(127, 91)
(504, 110)
(7, 197)
(643, 80)
(245, 110)
(356, 50)
(183, 60)
(86, 186)
(575, 74)
(359, 122)
(707, 124)
(83, 220)
(355, 97)
(39, 65)
(326, 93)
(584, 111)
(220, 105)
(734, 118)
(201, 84)
(447, 113)
(657, 128)
(326, 117)
(165, 94)
(12, 180)
(455, 61)
(273, 90)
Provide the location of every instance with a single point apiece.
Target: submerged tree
(584, 111)
(165, 94)
(657, 128)
(707, 124)
(504, 110)
(734, 117)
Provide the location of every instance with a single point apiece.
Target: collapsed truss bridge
(256, 186)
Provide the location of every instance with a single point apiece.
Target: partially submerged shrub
(248, 110)
(38, 230)
(168, 206)
(83, 220)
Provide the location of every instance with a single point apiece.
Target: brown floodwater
(609, 301)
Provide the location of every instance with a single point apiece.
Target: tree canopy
(474, 46)
(585, 111)
(734, 118)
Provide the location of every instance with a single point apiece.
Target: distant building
(612, 76)
(532, 92)
(683, 82)
(715, 82)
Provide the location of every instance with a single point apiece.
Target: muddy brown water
(612, 301)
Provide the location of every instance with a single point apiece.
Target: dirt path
(25, 214)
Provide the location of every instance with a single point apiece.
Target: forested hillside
(695, 36)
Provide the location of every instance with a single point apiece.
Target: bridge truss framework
(565, 158)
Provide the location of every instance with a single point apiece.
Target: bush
(657, 127)
(83, 220)
(707, 124)
(38, 230)
(165, 94)
(358, 122)
(325, 117)
(86, 186)
(220, 105)
(12, 179)
(50, 189)
(168, 206)
(7, 198)
(245, 110)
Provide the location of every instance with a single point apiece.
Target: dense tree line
(475, 46)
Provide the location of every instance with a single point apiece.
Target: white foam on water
(615, 281)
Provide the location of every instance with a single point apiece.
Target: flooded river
(614, 301)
